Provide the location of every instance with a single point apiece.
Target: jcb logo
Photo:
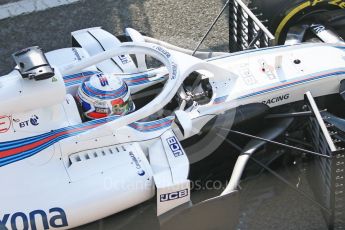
(174, 195)
(175, 146)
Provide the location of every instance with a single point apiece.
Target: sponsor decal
(174, 146)
(247, 75)
(277, 99)
(163, 51)
(123, 58)
(55, 218)
(76, 54)
(33, 121)
(267, 69)
(303, 80)
(174, 71)
(318, 28)
(173, 195)
(103, 80)
(141, 172)
(5, 123)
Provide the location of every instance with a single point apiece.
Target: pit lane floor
(266, 203)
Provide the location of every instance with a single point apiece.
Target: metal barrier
(327, 177)
(246, 31)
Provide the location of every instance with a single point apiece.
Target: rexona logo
(174, 146)
(38, 219)
(276, 99)
(173, 195)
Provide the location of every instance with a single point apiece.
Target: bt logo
(32, 121)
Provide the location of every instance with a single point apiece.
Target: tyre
(280, 15)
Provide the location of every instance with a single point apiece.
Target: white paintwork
(170, 170)
(87, 190)
(137, 37)
(185, 122)
(95, 40)
(72, 172)
(20, 95)
(83, 181)
(170, 197)
(315, 60)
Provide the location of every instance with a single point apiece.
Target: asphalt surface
(3, 2)
(266, 202)
(180, 22)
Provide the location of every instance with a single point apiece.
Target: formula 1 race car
(90, 131)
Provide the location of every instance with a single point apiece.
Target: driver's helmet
(102, 95)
